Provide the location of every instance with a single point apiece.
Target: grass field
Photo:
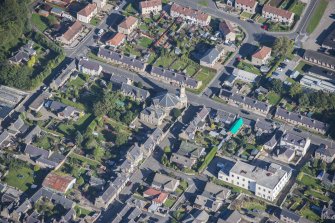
(169, 202)
(95, 21)
(90, 162)
(297, 8)
(309, 214)
(20, 177)
(145, 42)
(164, 61)
(273, 98)
(71, 127)
(316, 16)
(37, 21)
(248, 67)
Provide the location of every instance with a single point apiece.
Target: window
(238, 183)
(238, 177)
(227, 179)
(243, 179)
(232, 175)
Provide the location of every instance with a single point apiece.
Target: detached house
(165, 183)
(277, 14)
(227, 31)
(71, 33)
(295, 142)
(86, 14)
(153, 115)
(89, 67)
(187, 154)
(134, 92)
(194, 16)
(151, 6)
(212, 56)
(116, 40)
(128, 25)
(246, 5)
(261, 56)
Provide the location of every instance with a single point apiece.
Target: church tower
(183, 96)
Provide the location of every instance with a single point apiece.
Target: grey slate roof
(225, 117)
(4, 136)
(118, 79)
(172, 75)
(4, 111)
(166, 100)
(289, 214)
(134, 91)
(162, 180)
(114, 56)
(34, 132)
(294, 139)
(325, 150)
(301, 119)
(211, 55)
(190, 150)
(329, 41)
(34, 151)
(182, 160)
(157, 112)
(88, 64)
(56, 198)
(245, 100)
(321, 57)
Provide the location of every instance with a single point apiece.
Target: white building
(246, 5)
(245, 75)
(86, 14)
(194, 16)
(100, 3)
(264, 182)
(317, 84)
(151, 6)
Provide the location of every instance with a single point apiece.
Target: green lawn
(143, 27)
(145, 42)
(297, 8)
(20, 177)
(78, 82)
(317, 195)
(253, 205)
(128, 49)
(169, 203)
(308, 180)
(71, 127)
(164, 61)
(95, 21)
(261, 20)
(316, 16)
(248, 67)
(73, 104)
(205, 75)
(203, 3)
(246, 15)
(46, 142)
(90, 162)
(273, 98)
(309, 214)
(82, 212)
(179, 65)
(39, 22)
(191, 70)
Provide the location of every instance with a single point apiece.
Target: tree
(31, 62)
(167, 149)
(36, 168)
(121, 138)
(295, 89)
(79, 138)
(277, 86)
(176, 112)
(139, 84)
(282, 46)
(304, 100)
(81, 181)
(98, 153)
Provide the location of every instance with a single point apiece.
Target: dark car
(128, 183)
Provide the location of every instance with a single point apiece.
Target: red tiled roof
(189, 12)
(262, 53)
(249, 3)
(73, 30)
(57, 182)
(128, 22)
(277, 11)
(161, 198)
(87, 10)
(151, 3)
(117, 39)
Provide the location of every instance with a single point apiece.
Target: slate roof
(157, 112)
(56, 198)
(196, 216)
(17, 124)
(39, 100)
(246, 100)
(134, 91)
(211, 55)
(166, 100)
(114, 56)
(321, 57)
(190, 150)
(224, 116)
(88, 64)
(34, 151)
(182, 160)
(36, 130)
(294, 139)
(118, 79)
(214, 191)
(325, 150)
(165, 181)
(301, 119)
(4, 111)
(4, 136)
(289, 214)
(175, 76)
(329, 41)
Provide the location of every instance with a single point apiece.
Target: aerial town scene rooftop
(190, 111)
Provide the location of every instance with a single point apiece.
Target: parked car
(265, 27)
